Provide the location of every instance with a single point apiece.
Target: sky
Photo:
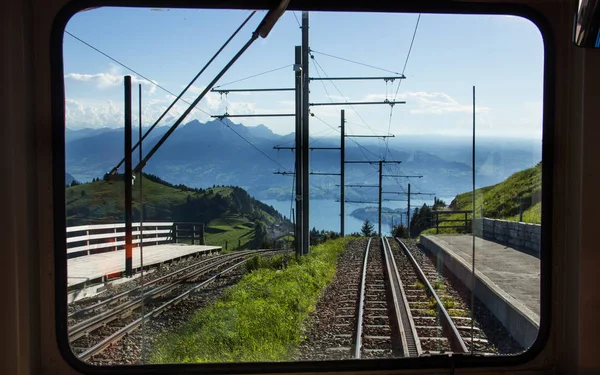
(501, 55)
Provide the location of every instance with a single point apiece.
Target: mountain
(74, 134)
(229, 212)
(223, 153)
(69, 179)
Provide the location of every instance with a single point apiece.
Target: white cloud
(436, 103)
(108, 80)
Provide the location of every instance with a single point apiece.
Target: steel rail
(85, 327)
(361, 300)
(121, 295)
(411, 345)
(455, 339)
(116, 336)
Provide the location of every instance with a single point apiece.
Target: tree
(420, 220)
(367, 229)
(439, 204)
(399, 231)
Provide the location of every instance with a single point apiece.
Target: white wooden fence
(83, 239)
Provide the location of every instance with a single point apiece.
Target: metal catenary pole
(342, 171)
(473, 230)
(380, 193)
(305, 136)
(299, 208)
(127, 177)
(408, 211)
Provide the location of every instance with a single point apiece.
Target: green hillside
(230, 214)
(503, 200)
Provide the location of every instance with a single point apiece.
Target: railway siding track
(116, 322)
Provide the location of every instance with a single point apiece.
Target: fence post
(201, 234)
(520, 210)
(437, 223)
(193, 234)
(87, 243)
(239, 244)
(226, 245)
(174, 233)
(115, 238)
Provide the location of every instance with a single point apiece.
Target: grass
(532, 215)
(103, 201)
(261, 318)
(230, 231)
(459, 313)
(500, 201)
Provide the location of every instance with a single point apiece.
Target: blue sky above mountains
(501, 55)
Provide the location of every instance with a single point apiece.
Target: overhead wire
(254, 75)
(185, 101)
(400, 81)
(297, 21)
(341, 94)
(387, 148)
(355, 62)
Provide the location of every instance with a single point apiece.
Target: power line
(354, 62)
(255, 75)
(340, 92)
(185, 101)
(296, 17)
(400, 82)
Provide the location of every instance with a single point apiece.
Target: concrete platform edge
(520, 321)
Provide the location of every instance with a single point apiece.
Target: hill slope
(230, 213)
(503, 200)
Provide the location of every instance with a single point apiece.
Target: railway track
(366, 322)
(431, 323)
(100, 304)
(441, 321)
(91, 336)
(392, 307)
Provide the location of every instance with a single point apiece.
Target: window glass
(406, 223)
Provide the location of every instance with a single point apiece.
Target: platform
(86, 269)
(507, 280)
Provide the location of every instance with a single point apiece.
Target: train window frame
(448, 362)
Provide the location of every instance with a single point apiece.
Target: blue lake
(325, 214)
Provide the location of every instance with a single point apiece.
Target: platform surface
(516, 273)
(91, 267)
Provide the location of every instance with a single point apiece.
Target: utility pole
(299, 162)
(127, 177)
(380, 162)
(342, 171)
(305, 137)
(408, 211)
(380, 192)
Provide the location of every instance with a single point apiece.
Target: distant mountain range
(206, 154)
